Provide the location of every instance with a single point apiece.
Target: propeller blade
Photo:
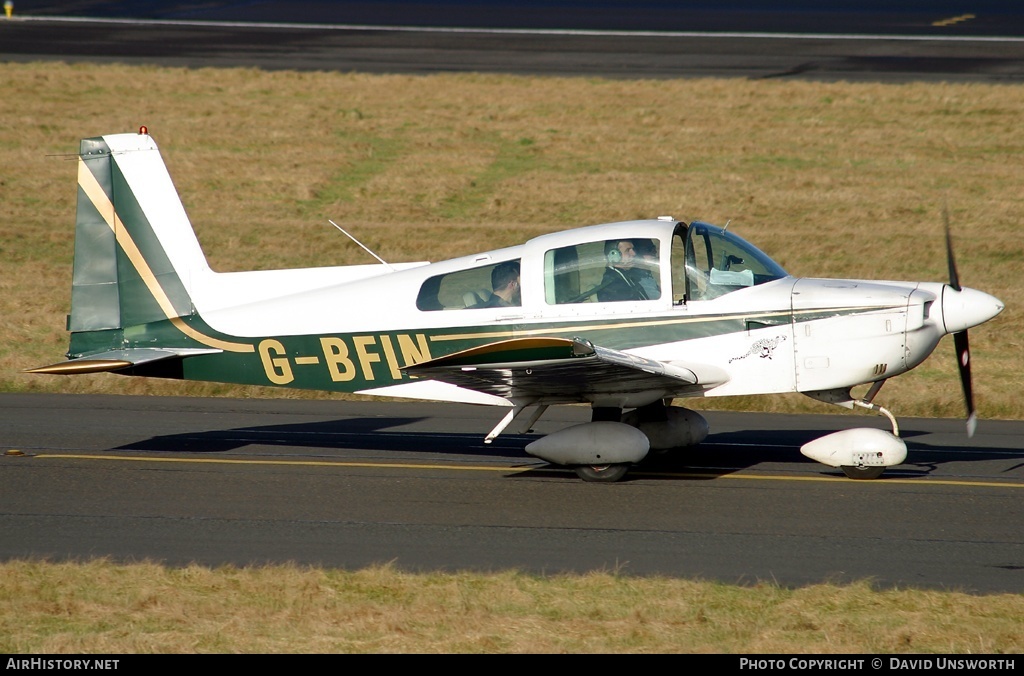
(960, 342)
(954, 278)
(963, 361)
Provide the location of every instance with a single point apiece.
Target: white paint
(860, 447)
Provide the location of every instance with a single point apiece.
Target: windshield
(708, 262)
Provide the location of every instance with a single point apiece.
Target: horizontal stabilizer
(116, 360)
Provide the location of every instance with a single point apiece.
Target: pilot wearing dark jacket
(617, 283)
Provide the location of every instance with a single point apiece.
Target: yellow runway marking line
(769, 477)
(954, 20)
(488, 468)
(307, 463)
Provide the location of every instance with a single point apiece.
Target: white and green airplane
(623, 316)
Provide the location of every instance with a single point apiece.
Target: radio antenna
(365, 248)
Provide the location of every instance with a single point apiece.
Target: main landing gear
(604, 473)
(604, 449)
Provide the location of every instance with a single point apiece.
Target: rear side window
(494, 285)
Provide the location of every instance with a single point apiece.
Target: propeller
(960, 342)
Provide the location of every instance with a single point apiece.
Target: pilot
(617, 283)
(645, 268)
(505, 282)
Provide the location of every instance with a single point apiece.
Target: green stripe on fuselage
(353, 362)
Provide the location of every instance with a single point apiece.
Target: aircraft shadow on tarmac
(719, 455)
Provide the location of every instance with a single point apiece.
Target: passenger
(505, 282)
(617, 284)
(645, 270)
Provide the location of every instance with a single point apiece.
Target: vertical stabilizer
(136, 255)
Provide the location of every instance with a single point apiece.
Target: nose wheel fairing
(859, 448)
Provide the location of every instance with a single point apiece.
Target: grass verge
(99, 607)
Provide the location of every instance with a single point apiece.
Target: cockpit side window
(488, 286)
(713, 262)
(603, 271)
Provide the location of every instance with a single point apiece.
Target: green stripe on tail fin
(124, 275)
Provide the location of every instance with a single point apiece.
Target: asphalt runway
(349, 484)
(656, 43)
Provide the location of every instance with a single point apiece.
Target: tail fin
(135, 251)
(136, 260)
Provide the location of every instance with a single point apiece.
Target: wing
(561, 370)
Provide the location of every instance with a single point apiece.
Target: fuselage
(719, 304)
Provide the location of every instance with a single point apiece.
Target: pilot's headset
(612, 252)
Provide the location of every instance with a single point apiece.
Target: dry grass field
(839, 180)
(845, 180)
(144, 608)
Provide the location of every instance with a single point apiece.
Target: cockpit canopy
(632, 261)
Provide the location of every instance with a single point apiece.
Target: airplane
(626, 317)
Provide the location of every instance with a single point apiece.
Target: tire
(602, 473)
(862, 472)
